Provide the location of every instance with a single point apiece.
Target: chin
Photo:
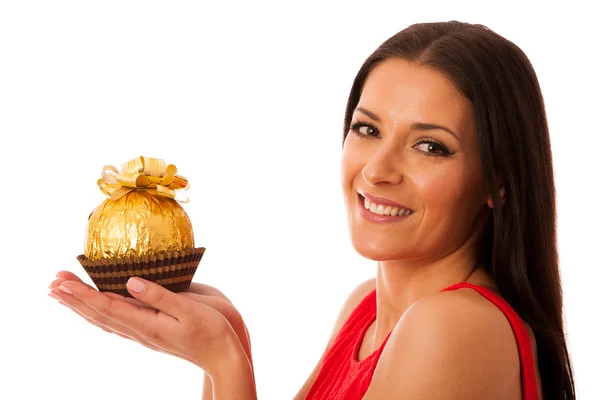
(378, 251)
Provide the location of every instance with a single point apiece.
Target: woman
(448, 184)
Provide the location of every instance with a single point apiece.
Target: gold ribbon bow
(144, 173)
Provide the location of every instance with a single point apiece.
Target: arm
(207, 384)
(234, 378)
(234, 319)
(207, 390)
(448, 346)
(350, 304)
(198, 328)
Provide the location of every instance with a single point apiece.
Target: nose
(384, 166)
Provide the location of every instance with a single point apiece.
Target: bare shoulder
(362, 290)
(359, 293)
(452, 344)
(351, 302)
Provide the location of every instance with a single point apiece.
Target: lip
(369, 216)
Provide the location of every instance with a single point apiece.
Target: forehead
(403, 92)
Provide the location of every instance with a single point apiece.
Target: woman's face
(412, 149)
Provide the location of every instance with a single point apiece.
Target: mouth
(382, 209)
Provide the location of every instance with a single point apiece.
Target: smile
(375, 212)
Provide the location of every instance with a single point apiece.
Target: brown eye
(367, 130)
(364, 130)
(432, 148)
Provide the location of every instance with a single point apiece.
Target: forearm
(234, 379)
(207, 390)
(207, 386)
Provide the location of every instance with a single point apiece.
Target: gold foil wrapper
(137, 224)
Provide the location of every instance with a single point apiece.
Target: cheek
(449, 192)
(437, 185)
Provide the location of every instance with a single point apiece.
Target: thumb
(156, 296)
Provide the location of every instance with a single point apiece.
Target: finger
(114, 328)
(130, 300)
(107, 325)
(91, 315)
(157, 296)
(138, 303)
(141, 320)
(101, 323)
(205, 290)
(57, 282)
(218, 303)
(68, 276)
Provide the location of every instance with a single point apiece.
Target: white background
(247, 100)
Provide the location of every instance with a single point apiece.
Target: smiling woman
(398, 150)
(444, 132)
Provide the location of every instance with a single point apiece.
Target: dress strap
(528, 378)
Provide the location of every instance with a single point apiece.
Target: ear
(490, 203)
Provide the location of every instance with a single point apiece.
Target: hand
(172, 325)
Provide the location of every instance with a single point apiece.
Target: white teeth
(385, 210)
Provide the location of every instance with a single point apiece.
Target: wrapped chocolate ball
(141, 229)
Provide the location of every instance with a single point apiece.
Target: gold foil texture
(137, 224)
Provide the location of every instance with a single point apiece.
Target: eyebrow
(421, 126)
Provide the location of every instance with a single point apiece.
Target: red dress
(343, 377)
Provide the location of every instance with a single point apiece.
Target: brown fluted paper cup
(174, 271)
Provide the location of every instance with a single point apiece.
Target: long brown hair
(519, 244)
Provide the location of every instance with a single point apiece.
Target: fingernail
(64, 289)
(136, 285)
(54, 296)
(54, 284)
